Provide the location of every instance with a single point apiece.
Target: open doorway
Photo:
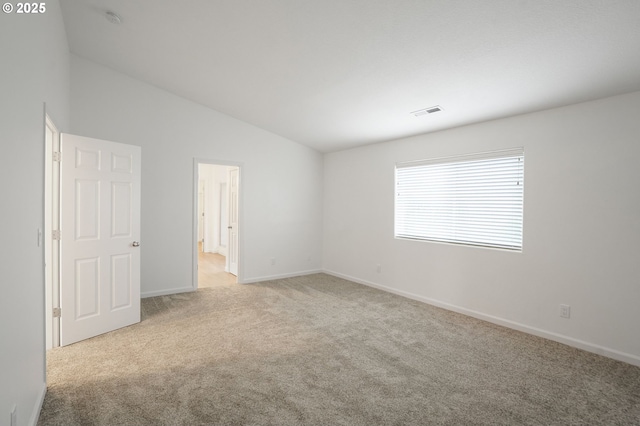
(217, 224)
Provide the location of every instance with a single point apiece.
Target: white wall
(581, 226)
(281, 180)
(35, 69)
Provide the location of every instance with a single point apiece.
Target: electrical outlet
(273, 261)
(565, 311)
(14, 415)
(378, 268)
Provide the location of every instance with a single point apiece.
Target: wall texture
(35, 70)
(581, 226)
(281, 195)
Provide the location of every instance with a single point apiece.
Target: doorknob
(135, 244)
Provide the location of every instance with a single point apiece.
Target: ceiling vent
(425, 111)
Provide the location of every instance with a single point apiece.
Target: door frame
(194, 244)
(201, 211)
(51, 223)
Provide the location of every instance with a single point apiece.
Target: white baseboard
(35, 413)
(570, 341)
(280, 276)
(155, 293)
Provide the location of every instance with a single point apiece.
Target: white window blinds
(473, 199)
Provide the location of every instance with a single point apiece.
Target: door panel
(100, 210)
(121, 281)
(87, 203)
(87, 283)
(121, 193)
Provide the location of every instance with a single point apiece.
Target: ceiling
(335, 74)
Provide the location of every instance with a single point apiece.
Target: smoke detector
(426, 111)
(113, 17)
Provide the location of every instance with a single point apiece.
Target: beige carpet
(318, 350)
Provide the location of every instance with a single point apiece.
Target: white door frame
(201, 212)
(51, 223)
(233, 226)
(240, 166)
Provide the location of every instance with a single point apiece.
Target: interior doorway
(217, 210)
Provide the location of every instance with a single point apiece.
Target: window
(473, 199)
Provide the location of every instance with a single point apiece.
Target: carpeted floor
(318, 350)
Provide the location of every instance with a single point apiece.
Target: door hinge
(57, 312)
(55, 235)
(57, 156)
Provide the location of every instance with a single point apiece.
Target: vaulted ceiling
(334, 74)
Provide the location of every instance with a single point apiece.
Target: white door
(232, 254)
(100, 234)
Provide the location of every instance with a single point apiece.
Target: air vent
(426, 111)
